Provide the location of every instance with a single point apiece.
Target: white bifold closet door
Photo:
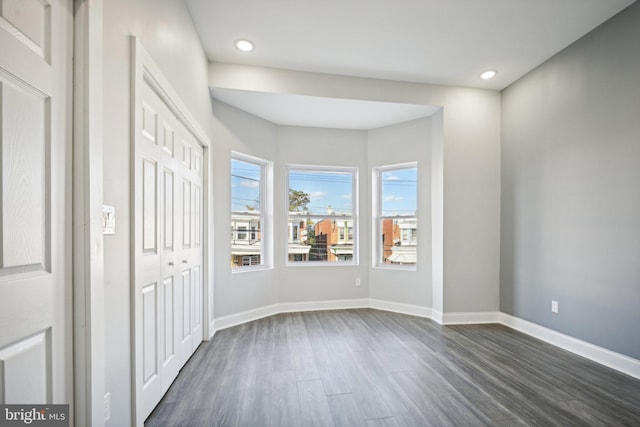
(168, 229)
(35, 201)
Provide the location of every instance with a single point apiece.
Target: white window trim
(266, 204)
(355, 261)
(376, 209)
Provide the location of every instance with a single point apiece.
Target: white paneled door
(35, 142)
(168, 239)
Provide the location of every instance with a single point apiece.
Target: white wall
(471, 156)
(401, 143)
(324, 147)
(240, 131)
(437, 213)
(236, 130)
(164, 28)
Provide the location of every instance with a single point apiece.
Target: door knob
(171, 263)
(184, 261)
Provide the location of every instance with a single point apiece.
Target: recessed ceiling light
(489, 74)
(244, 45)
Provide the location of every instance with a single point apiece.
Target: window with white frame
(250, 260)
(323, 215)
(395, 223)
(248, 208)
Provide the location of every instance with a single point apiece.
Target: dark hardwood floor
(375, 368)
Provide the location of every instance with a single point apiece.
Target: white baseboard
(212, 329)
(605, 357)
(290, 307)
(471, 318)
(235, 319)
(287, 307)
(396, 307)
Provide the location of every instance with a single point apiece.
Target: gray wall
(570, 219)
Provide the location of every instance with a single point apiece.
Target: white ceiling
(297, 110)
(425, 41)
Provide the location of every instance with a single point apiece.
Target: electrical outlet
(554, 307)
(107, 406)
(357, 281)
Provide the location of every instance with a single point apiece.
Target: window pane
(399, 192)
(242, 232)
(320, 239)
(246, 239)
(320, 193)
(321, 216)
(246, 216)
(399, 239)
(396, 213)
(250, 260)
(245, 186)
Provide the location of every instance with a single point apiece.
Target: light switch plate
(108, 219)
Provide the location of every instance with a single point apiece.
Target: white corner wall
(247, 295)
(401, 143)
(165, 29)
(236, 130)
(437, 215)
(323, 147)
(470, 159)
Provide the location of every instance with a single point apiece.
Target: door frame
(145, 71)
(87, 241)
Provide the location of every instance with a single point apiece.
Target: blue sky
(399, 195)
(245, 185)
(326, 189)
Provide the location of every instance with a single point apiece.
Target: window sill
(396, 267)
(250, 268)
(321, 264)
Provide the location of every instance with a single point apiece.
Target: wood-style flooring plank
(314, 405)
(300, 348)
(397, 399)
(346, 411)
(383, 422)
(284, 400)
(327, 356)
